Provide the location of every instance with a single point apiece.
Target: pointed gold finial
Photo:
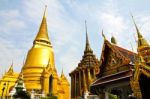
(62, 72)
(87, 47)
(45, 11)
(141, 40)
(137, 30)
(11, 69)
(42, 35)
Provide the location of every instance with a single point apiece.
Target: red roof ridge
(121, 48)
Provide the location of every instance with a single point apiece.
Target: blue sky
(20, 21)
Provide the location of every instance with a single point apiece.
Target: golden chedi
(39, 70)
(8, 81)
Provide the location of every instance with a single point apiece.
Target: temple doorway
(144, 85)
(51, 84)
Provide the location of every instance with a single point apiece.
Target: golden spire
(11, 69)
(141, 40)
(87, 47)
(62, 73)
(43, 31)
(63, 78)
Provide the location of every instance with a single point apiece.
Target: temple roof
(111, 79)
(118, 60)
(10, 75)
(129, 54)
(120, 71)
(122, 51)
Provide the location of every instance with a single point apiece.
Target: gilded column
(94, 75)
(84, 81)
(89, 76)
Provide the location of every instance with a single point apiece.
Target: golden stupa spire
(43, 31)
(141, 40)
(87, 47)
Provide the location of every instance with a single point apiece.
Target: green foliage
(111, 96)
(22, 95)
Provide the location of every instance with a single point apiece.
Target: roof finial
(113, 40)
(87, 40)
(11, 69)
(103, 35)
(87, 48)
(85, 26)
(62, 72)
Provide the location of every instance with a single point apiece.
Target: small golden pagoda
(8, 81)
(39, 72)
(85, 73)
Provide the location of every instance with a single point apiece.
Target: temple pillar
(80, 83)
(94, 75)
(55, 78)
(106, 95)
(84, 81)
(71, 86)
(75, 85)
(89, 76)
(45, 83)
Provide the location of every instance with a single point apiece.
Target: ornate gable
(114, 59)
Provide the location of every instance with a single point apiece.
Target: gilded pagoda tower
(39, 70)
(85, 72)
(8, 81)
(141, 78)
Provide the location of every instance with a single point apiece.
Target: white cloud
(10, 26)
(11, 21)
(143, 24)
(112, 23)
